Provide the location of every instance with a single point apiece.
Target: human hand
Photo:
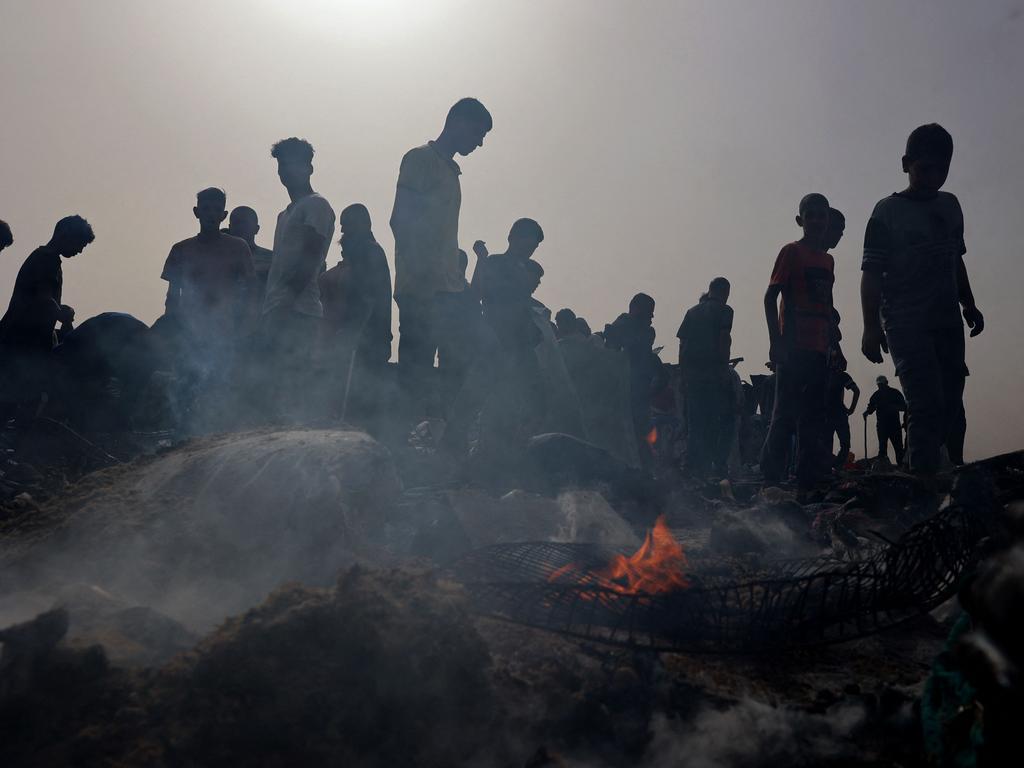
(975, 320)
(66, 315)
(873, 343)
(480, 249)
(777, 354)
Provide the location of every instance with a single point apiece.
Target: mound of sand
(209, 528)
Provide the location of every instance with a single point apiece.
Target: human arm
(725, 337)
(873, 342)
(480, 251)
(972, 315)
(852, 386)
(871, 407)
(296, 276)
(771, 315)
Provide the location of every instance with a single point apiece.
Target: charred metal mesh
(797, 603)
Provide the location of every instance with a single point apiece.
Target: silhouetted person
(836, 228)
(839, 383)
(27, 329)
(566, 324)
(425, 223)
(633, 333)
(505, 283)
(356, 292)
(913, 285)
(888, 403)
(245, 224)
(209, 277)
(705, 341)
(583, 327)
(800, 332)
(6, 236)
(292, 312)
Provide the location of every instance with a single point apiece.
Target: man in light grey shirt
(291, 309)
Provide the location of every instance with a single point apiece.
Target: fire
(652, 437)
(658, 566)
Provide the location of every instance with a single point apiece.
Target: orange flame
(658, 566)
(652, 437)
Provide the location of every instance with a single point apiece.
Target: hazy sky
(658, 143)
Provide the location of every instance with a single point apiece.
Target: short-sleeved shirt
(806, 277)
(211, 275)
(701, 331)
(427, 245)
(312, 212)
(915, 244)
(35, 301)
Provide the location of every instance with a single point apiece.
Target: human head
(355, 220)
(524, 237)
(926, 162)
(210, 208)
(6, 238)
(719, 289)
(584, 327)
(535, 272)
(294, 161)
(467, 123)
(565, 322)
(836, 228)
(813, 217)
(641, 307)
(243, 223)
(71, 235)
(881, 381)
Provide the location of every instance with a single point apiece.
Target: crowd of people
(273, 335)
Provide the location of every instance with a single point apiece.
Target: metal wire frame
(792, 604)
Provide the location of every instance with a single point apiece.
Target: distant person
(6, 236)
(27, 330)
(209, 277)
(839, 383)
(245, 224)
(583, 327)
(705, 341)
(566, 324)
(425, 223)
(800, 332)
(888, 403)
(292, 312)
(913, 285)
(633, 333)
(356, 292)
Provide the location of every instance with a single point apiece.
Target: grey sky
(658, 143)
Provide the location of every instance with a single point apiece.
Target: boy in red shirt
(799, 331)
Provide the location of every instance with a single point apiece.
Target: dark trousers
(841, 429)
(429, 327)
(709, 420)
(931, 369)
(890, 433)
(800, 409)
(286, 370)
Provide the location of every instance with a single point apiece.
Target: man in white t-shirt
(291, 309)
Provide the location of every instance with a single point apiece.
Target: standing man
(425, 223)
(292, 312)
(245, 224)
(888, 403)
(27, 329)
(839, 383)
(208, 281)
(799, 332)
(705, 339)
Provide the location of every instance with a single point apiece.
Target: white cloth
(312, 211)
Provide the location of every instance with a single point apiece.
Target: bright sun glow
(368, 21)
